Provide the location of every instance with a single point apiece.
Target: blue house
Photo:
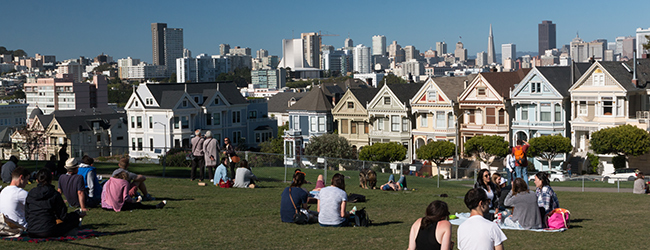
(542, 106)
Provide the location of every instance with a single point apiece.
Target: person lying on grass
(136, 181)
(391, 185)
(295, 194)
(433, 231)
(115, 195)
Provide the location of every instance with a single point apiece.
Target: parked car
(554, 175)
(621, 174)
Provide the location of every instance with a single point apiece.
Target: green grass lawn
(210, 217)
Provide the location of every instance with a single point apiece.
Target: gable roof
(279, 103)
(77, 123)
(559, 77)
(502, 82)
(624, 77)
(364, 96)
(579, 69)
(405, 91)
(453, 86)
(167, 94)
(315, 100)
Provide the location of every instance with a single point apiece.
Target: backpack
(361, 218)
(558, 218)
(354, 198)
(520, 156)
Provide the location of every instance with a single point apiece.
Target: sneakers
(139, 198)
(161, 204)
(148, 197)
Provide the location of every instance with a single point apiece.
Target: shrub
(177, 159)
(592, 161)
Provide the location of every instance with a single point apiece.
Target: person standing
(63, 157)
(197, 151)
(8, 168)
(521, 162)
(509, 164)
(12, 197)
(210, 153)
(477, 232)
(229, 151)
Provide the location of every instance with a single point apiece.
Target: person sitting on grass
(391, 185)
(640, 186)
(12, 197)
(477, 232)
(115, 195)
(546, 197)
(525, 213)
(44, 207)
(244, 178)
(484, 182)
(136, 180)
(433, 231)
(91, 182)
(332, 203)
(8, 168)
(221, 175)
(295, 195)
(72, 185)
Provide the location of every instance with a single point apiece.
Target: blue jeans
(345, 223)
(401, 181)
(522, 172)
(509, 176)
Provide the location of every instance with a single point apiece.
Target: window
(296, 122)
(313, 124)
(119, 138)
(480, 91)
(139, 121)
(139, 144)
(471, 116)
(545, 112)
(133, 144)
(394, 123)
(450, 120)
(558, 113)
(380, 124)
(535, 87)
(236, 135)
(177, 122)
(321, 124)
(132, 122)
(607, 105)
(524, 112)
(216, 101)
(620, 107)
(350, 105)
(366, 127)
(99, 138)
(208, 119)
(583, 108)
(344, 126)
(440, 119)
(236, 116)
(423, 120)
(216, 118)
(252, 114)
(151, 144)
(431, 95)
(405, 124)
(150, 121)
(184, 103)
(599, 78)
(353, 128)
(490, 116)
(177, 143)
(185, 122)
(196, 99)
(502, 116)
(386, 100)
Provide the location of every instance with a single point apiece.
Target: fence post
(618, 185)
(325, 173)
(583, 183)
(438, 176)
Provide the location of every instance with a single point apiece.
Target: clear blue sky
(69, 29)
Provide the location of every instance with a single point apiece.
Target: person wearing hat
(72, 185)
(210, 152)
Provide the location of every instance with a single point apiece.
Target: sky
(120, 28)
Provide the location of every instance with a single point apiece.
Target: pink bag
(558, 218)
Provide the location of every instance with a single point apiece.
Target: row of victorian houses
(572, 101)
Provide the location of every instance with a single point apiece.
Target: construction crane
(321, 34)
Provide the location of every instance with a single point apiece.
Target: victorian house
(351, 115)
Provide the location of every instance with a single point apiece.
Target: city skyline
(125, 28)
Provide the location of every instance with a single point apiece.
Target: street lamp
(165, 149)
(457, 141)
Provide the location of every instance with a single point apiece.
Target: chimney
(465, 83)
(635, 81)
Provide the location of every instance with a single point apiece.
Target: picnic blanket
(83, 234)
(461, 217)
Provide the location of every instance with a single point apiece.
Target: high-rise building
(262, 53)
(441, 47)
(491, 56)
(292, 54)
(202, 68)
(411, 53)
(640, 41)
(158, 42)
(625, 47)
(378, 45)
(461, 52)
(61, 92)
(224, 49)
(240, 51)
(579, 50)
(396, 52)
(546, 36)
(481, 58)
(311, 48)
(362, 61)
(348, 43)
(508, 50)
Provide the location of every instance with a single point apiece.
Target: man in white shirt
(477, 232)
(12, 197)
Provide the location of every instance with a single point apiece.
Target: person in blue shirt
(93, 185)
(221, 174)
(295, 194)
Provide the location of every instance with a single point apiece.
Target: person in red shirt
(521, 162)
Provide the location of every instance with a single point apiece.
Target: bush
(177, 159)
(593, 162)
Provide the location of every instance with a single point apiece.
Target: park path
(587, 189)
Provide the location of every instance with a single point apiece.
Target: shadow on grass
(132, 231)
(579, 220)
(87, 246)
(270, 179)
(101, 225)
(386, 223)
(172, 199)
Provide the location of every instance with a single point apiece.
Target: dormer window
(184, 103)
(350, 105)
(216, 101)
(431, 95)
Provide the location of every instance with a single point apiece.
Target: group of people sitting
(42, 211)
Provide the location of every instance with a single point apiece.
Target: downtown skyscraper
(167, 45)
(490, 53)
(546, 36)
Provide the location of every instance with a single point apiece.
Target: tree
(330, 145)
(549, 146)
(437, 151)
(383, 152)
(19, 94)
(646, 46)
(626, 140)
(486, 147)
(119, 93)
(392, 79)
